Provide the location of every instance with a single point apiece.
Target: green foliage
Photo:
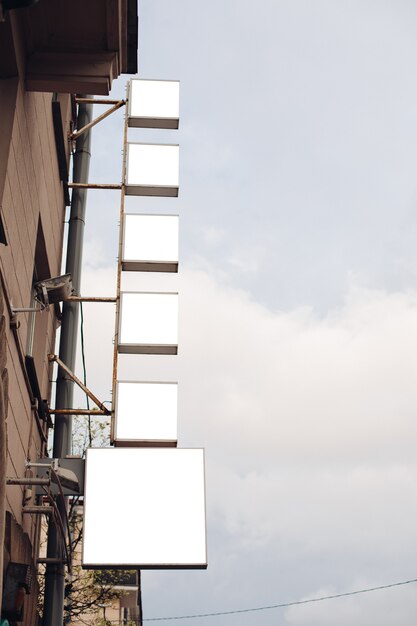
(86, 590)
(90, 432)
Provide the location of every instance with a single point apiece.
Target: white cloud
(300, 148)
(372, 608)
(298, 384)
(94, 257)
(213, 236)
(310, 435)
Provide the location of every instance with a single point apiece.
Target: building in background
(49, 51)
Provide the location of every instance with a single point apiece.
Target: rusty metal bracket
(90, 299)
(95, 186)
(117, 104)
(79, 412)
(104, 410)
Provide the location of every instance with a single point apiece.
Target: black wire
(90, 439)
(284, 604)
(83, 352)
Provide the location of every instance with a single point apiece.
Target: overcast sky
(297, 360)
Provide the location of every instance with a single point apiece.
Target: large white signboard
(148, 323)
(152, 169)
(146, 413)
(154, 103)
(150, 243)
(144, 508)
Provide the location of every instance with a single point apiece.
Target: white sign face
(144, 508)
(150, 243)
(154, 103)
(148, 323)
(152, 169)
(146, 412)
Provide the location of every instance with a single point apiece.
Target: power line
(284, 604)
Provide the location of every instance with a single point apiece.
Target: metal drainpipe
(53, 612)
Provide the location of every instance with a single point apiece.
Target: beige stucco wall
(32, 195)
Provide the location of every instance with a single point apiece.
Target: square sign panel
(144, 508)
(146, 414)
(154, 103)
(150, 243)
(148, 323)
(152, 169)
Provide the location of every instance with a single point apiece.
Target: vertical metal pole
(53, 613)
(119, 267)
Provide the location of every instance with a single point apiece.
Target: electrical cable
(83, 350)
(90, 439)
(284, 604)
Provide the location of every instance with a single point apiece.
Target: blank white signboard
(146, 413)
(148, 323)
(154, 103)
(152, 169)
(144, 508)
(150, 243)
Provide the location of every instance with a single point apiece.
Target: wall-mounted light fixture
(49, 291)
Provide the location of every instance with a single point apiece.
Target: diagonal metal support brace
(56, 359)
(115, 107)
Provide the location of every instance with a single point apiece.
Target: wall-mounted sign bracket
(103, 410)
(29, 309)
(57, 476)
(50, 560)
(29, 481)
(91, 299)
(97, 412)
(38, 510)
(117, 186)
(117, 104)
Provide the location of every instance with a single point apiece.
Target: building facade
(49, 51)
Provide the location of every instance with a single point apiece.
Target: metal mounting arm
(104, 410)
(90, 299)
(95, 186)
(117, 105)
